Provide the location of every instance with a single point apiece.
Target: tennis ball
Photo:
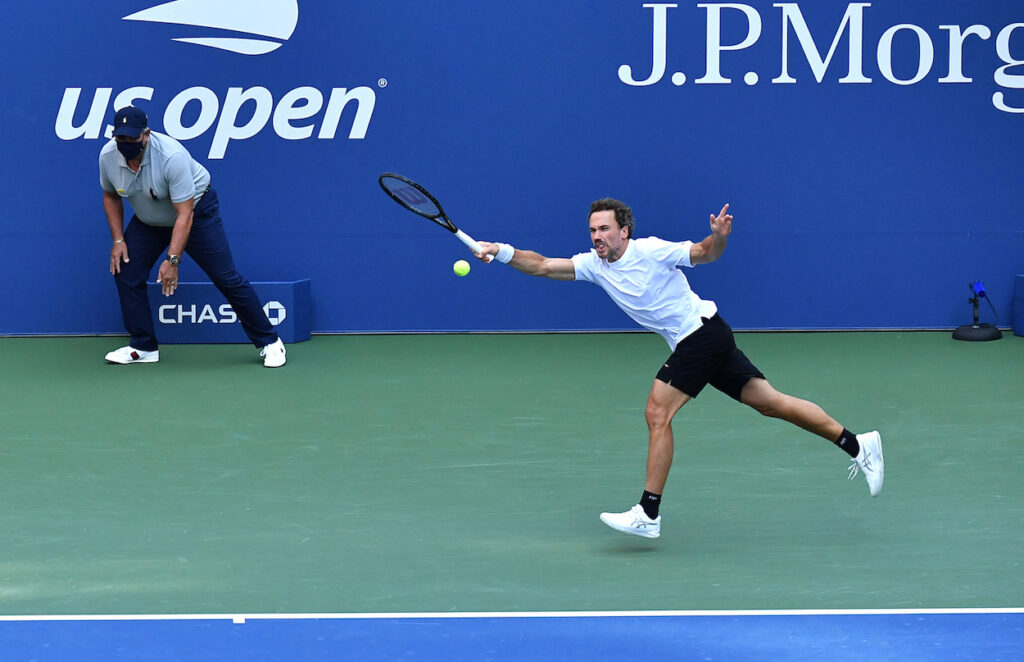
(461, 268)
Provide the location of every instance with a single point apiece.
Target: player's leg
(865, 449)
(145, 243)
(679, 380)
(741, 380)
(762, 396)
(644, 519)
(663, 403)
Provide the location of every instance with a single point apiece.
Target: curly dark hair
(623, 214)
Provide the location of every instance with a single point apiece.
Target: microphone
(978, 289)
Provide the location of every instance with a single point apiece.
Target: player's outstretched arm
(534, 264)
(712, 247)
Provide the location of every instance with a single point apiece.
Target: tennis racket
(418, 200)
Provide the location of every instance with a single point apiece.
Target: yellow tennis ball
(461, 268)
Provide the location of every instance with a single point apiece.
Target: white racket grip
(473, 245)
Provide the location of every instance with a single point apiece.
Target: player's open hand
(721, 225)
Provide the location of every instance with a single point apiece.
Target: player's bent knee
(762, 398)
(657, 416)
(770, 406)
(765, 410)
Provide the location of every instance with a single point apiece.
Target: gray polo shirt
(168, 174)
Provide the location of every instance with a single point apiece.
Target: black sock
(650, 502)
(848, 442)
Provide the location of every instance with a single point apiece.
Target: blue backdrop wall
(871, 151)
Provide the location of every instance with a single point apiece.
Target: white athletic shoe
(634, 521)
(128, 354)
(870, 461)
(273, 354)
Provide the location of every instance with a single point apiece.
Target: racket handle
(473, 245)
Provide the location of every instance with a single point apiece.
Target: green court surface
(466, 473)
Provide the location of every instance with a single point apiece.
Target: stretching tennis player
(641, 277)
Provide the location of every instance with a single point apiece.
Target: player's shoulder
(585, 264)
(586, 257)
(647, 244)
(661, 251)
(653, 242)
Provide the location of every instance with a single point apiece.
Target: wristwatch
(175, 260)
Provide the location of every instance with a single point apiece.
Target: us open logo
(275, 312)
(238, 112)
(263, 18)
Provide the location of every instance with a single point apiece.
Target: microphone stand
(976, 332)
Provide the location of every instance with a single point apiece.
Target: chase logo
(275, 312)
(263, 18)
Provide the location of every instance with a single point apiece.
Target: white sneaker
(870, 461)
(128, 354)
(634, 521)
(273, 354)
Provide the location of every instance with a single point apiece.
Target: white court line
(242, 618)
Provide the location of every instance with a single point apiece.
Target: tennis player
(641, 277)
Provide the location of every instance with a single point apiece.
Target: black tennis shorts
(709, 356)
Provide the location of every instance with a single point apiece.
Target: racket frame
(440, 218)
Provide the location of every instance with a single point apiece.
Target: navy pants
(208, 246)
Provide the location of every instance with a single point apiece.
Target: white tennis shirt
(648, 287)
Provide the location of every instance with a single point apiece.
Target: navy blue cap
(130, 121)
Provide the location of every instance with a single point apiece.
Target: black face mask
(130, 150)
